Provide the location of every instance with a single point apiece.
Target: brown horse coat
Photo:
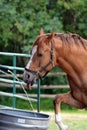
(70, 54)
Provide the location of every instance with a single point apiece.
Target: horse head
(41, 60)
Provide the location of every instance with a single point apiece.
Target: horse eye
(40, 55)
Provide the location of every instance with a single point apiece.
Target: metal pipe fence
(14, 68)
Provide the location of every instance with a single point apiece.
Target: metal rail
(11, 81)
(14, 68)
(17, 96)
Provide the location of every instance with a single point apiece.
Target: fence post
(38, 95)
(14, 85)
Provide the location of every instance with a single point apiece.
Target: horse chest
(78, 88)
(81, 96)
(80, 93)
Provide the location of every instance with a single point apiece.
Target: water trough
(11, 119)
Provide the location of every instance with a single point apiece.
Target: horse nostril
(28, 76)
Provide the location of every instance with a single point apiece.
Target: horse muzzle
(29, 79)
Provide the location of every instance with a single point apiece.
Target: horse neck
(63, 56)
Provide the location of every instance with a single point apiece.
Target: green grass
(45, 104)
(73, 124)
(75, 121)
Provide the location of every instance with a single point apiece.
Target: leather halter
(44, 67)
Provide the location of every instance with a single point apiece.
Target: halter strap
(29, 70)
(44, 67)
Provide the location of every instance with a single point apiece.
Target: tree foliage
(21, 20)
(74, 15)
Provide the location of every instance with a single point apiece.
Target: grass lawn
(75, 121)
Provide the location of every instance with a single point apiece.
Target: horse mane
(66, 38)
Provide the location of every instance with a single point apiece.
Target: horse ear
(51, 36)
(41, 31)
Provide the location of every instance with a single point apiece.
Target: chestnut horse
(69, 52)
